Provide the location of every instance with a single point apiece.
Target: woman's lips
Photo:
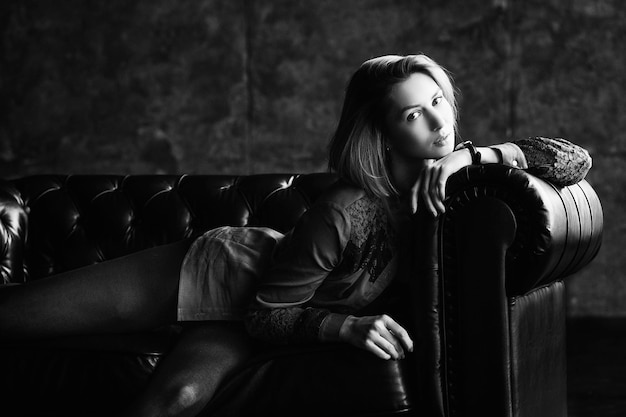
(442, 140)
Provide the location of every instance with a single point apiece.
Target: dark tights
(137, 292)
(188, 377)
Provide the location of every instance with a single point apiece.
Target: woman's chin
(441, 150)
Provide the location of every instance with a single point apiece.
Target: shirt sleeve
(553, 159)
(304, 259)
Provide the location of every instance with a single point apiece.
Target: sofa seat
(99, 374)
(82, 375)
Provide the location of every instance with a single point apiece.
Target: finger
(400, 334)
(387, 335)
(372, 347)
(423, 185)
(435, 190)
(443, 180)
(420, 184)
(439, 183)
(442, 186)
(415, 190)
(425, 191)
(386, 345)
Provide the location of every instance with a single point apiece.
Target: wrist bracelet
(476, 156)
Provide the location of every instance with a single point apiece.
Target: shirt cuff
(329, 329)
(511, 154)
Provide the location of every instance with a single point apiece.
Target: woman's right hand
(380, 335)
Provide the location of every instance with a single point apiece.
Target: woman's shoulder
(343, 195)
(353, 205)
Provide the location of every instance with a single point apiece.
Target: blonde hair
(357, 148)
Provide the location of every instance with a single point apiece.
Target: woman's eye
(412, 116)
(437, 100)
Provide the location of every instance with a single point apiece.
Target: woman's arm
(280, 313)
(555, 160)
(552, 159)
(380, 335)
(282, 325)
(304, 259)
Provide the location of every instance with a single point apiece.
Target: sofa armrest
(13, 228)
(557, 230)
(494, 297)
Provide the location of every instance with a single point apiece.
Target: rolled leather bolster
(563, 226)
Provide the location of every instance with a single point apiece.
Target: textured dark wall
(244, 86)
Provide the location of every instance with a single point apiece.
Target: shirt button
(514, 162)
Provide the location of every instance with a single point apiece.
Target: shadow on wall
(244, 86)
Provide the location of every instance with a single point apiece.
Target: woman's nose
(436, 120)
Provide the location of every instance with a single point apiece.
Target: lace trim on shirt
(371, 243)
(286, 325)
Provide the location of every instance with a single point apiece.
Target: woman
(394, 143)
(325, 280)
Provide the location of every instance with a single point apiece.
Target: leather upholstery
(79, 220)
(506, 242)
(488, 289)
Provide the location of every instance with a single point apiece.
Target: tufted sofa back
(77, 220)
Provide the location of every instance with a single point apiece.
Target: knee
(184, 399)
(173, 400)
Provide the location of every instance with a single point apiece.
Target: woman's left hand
(431, 184)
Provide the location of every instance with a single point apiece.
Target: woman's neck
(405, 172)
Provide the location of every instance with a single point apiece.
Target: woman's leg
(135, 292)
(187, 378)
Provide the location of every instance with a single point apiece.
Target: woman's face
(420, 121)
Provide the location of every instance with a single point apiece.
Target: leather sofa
(486, 301)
